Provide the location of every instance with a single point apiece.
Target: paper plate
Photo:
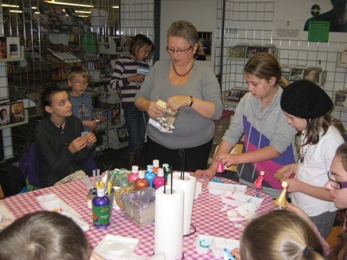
(6, 217)
(116, 247)
(244, 212)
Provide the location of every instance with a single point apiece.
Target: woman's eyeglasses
(337, 185)
(173, 51)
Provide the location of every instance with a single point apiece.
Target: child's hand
(204, 173)
(91, 138)
(227, 159)
(90, 124)
(285, 171)
(95, 256)
(136, 78)
(78, 144)
(236, 253)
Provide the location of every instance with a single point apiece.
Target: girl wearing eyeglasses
(191, 89)
(307, 107)
(336, 188)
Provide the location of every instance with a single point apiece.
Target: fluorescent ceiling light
(70, 4)
(115, 6)
(82, 12)
(16, 11)
(7, 5)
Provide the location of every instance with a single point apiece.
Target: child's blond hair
(78, 69)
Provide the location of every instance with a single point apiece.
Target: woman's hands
(286, 171)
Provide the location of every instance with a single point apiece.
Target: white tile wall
(253, 23)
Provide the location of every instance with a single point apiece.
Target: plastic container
(150, 175)
(141, 182)
(101, 209)
(134, 174)
(140, 206)
(159, 179)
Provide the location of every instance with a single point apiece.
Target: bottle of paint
(155, 166)
(101, 209)
(134, 174)
(141, 182)
(159, 179)
(150, 175)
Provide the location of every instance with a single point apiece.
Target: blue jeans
(136, 122)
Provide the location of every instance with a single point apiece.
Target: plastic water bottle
(134, 173)
(101, 209)
(141, 182)
(150, 175)
(159, 180)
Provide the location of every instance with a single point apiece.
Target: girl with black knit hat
(307, 107)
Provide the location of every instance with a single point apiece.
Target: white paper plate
(52, 202)
(217, 188)
(6, 217)
(116, 247)
(244, 212)
(216, 244)
(237, 199)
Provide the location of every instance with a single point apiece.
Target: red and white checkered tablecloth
(207, 217)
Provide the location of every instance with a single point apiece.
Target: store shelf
(26, 120)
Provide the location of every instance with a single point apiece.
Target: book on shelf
(238, 51)
(13, 47)
(59, 52)
(17, 112)
(3, 52)
(4, 114)
(55, 25)
(58, 10)
(66, 29)
(251, 51)
(45, 9)
(70, 11)
(67, 20)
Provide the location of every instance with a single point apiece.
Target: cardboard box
(140, 206)
(17, 112)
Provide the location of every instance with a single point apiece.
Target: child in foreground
(45, 235)
(279, 235)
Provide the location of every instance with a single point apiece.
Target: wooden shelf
(26, 120)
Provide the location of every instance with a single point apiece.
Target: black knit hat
(305, 99)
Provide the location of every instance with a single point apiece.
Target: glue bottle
(155, 166)
(141, 182)
(159, 180)
(101, 209)
(134, 174)
(150, 175)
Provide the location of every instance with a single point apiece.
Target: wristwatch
(191, 101)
